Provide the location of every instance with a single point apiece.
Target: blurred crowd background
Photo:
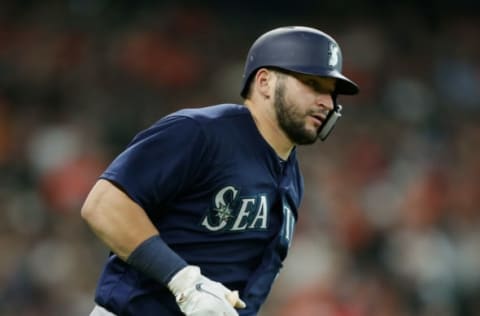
(390, 224)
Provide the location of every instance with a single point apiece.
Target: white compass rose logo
(224, 212)
(333, 52)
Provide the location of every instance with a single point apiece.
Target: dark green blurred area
(391, 216)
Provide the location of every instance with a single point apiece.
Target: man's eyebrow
(320, 85)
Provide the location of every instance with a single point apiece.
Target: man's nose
(325, 100)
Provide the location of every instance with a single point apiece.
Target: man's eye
(312, 83)
(315, 85)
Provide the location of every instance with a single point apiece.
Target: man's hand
(197, 295)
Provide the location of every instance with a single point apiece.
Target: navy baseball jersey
(220, 197)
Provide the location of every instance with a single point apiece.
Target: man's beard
(292, 121)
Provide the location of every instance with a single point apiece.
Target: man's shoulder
(213, 112)
(208, 119)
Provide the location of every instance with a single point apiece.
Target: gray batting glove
(197, 295)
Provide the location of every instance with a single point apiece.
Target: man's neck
(268, 127)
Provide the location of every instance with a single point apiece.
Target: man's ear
(264, 82)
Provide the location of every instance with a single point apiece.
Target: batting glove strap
(197, 295)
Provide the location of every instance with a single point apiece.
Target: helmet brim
(345, 85)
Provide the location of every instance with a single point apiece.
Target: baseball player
(199, 210)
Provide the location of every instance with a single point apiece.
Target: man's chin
(306, 138)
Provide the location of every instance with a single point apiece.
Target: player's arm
(126, 229)
(116, 219)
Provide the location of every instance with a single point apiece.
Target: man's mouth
(318, 117)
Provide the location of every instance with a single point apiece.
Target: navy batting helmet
(299, 49)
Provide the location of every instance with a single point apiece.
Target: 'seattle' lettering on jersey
(220, 197)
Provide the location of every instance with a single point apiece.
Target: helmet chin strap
(331, 119)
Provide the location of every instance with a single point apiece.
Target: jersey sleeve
(160, 162)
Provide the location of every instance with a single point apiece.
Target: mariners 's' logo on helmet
(333, 52)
